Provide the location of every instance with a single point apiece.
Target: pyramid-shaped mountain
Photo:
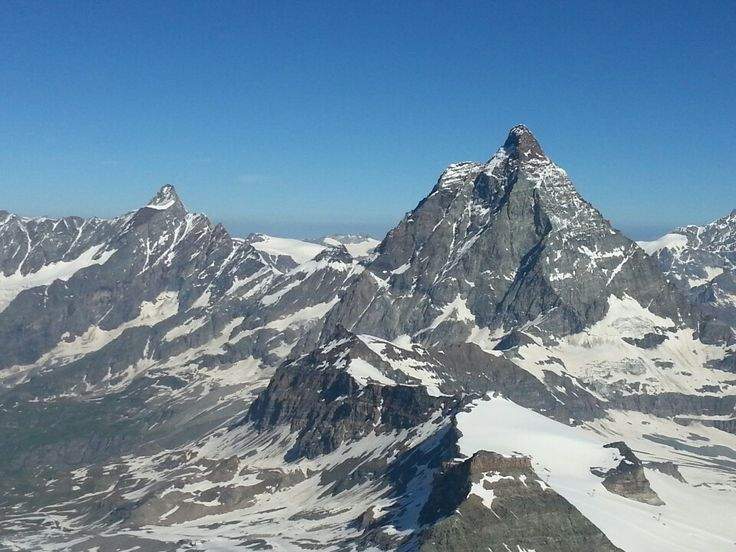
(496, 246)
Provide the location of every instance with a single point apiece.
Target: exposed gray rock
(649, 341)
(668, 468)
(675, 404)
(628, 478)
(324, 406)
(159, 248)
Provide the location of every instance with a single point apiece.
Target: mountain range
(504, 371)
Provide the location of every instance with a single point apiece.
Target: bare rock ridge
(628, 478)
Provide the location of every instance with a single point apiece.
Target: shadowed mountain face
(503, 371)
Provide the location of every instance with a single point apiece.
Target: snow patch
(188, 327)
(358, 247)
(599, 356)
(306, 314)
(364, 373)
(12, 285)
(151, 313)
(298, 250)
(456, 310)
(413, 368)
(671, 241)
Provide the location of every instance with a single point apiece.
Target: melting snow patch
(151, 313)
(12, 285)
(188, 327)
(455, 310)
(416, 369)
(299, 251)
(601, 358)
(403, 268)
(306, 314)
(668, 241)
(364, 373)
(357, 249)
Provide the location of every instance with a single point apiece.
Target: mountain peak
(165, 199)
(522, 144)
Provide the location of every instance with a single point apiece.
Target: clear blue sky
(306, 118)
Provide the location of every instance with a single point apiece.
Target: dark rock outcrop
(628, 478)
(324, 406)
(523, 512)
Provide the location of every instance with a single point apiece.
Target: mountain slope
(702, 260)
(695, 255)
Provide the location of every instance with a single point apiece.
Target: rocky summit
(504, 371)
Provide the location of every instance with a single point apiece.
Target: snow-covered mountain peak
(166, 198)
(165, 216)
(519, 158)
(494, 246)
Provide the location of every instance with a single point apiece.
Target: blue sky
(302, 118)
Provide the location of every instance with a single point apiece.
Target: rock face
(695, 255)
(628, 478)
(478, 380)
(148, 331)
(325, 405)
(160, 255)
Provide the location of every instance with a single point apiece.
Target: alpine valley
(504, 372)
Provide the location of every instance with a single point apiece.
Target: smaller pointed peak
(220, 232)
(522, 144)
(335, 253)
(165, 199)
